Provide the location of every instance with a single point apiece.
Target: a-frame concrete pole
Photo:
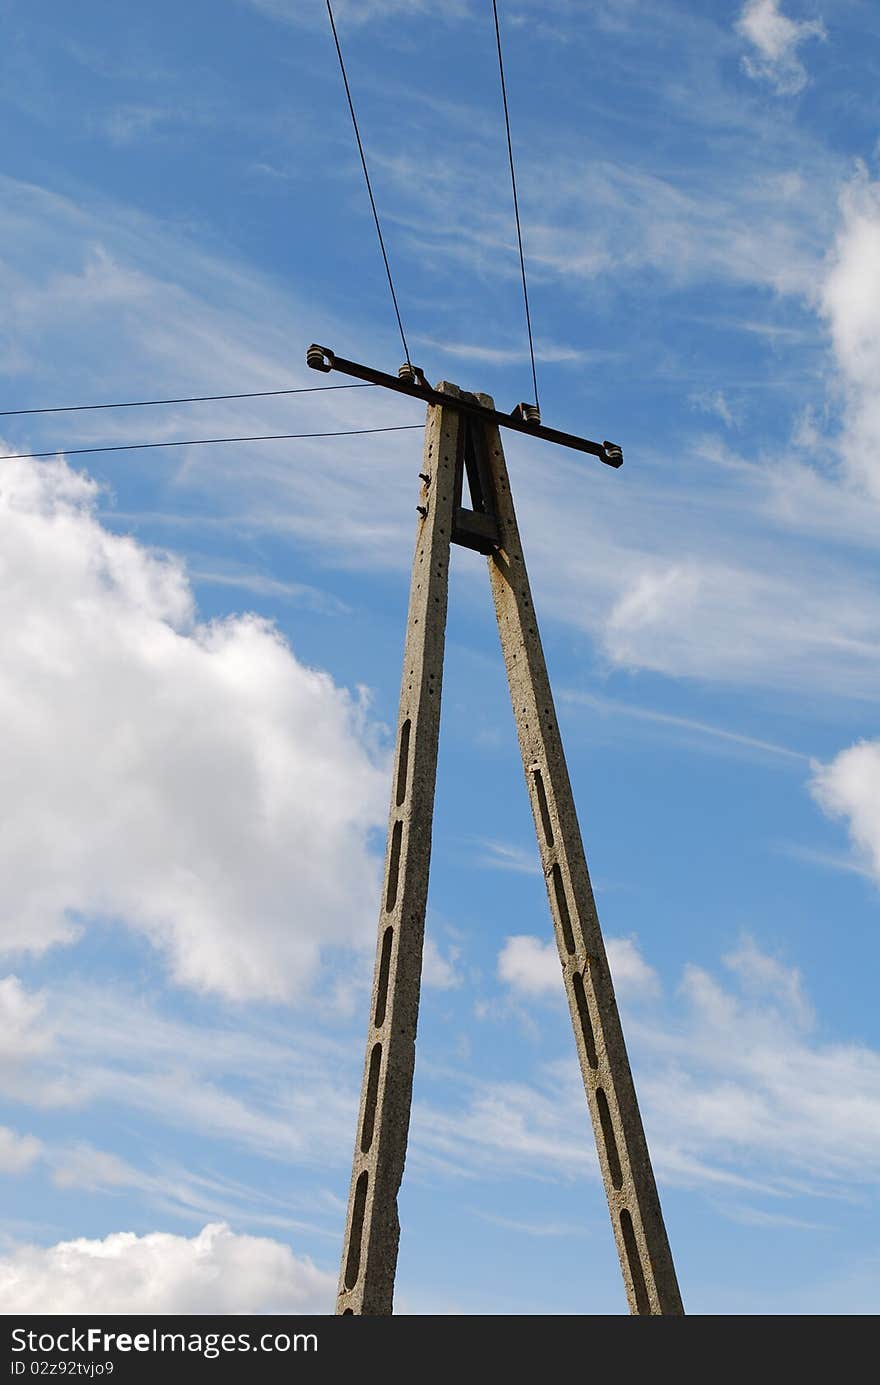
(372, 1231)
(642, 1244)
(369, 1259)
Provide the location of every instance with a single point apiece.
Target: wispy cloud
(126, 124)
(180, 1192)
(508, 856)
(737, 1089)
(544, 351)
(587, 219)
(17, 1152)
(527, 1228)
(827, 860)
(757, 1216)
(357, 13)
(713, 402)
(262, 585)
(242, 1081)
(614, 707)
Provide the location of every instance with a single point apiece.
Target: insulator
(613, 453)
(528, 413)
(316, 357)
(407, 373)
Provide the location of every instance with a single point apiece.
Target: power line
(192, 399)
(369, 185)
(522, 263)
(201, 442)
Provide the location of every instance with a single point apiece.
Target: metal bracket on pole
(476, 527)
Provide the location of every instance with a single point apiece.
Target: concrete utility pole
(462, 439)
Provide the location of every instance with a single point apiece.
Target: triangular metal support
(476, 527)
(463, 442)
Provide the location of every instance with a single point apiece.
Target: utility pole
(462, 441)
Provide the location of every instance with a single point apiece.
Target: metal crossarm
(463, 442)
(411, 381)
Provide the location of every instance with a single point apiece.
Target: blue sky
(201, 650)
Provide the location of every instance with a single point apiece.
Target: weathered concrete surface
(369, 1257)
(642, 1244)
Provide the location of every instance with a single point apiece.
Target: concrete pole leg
(642, 1244)
(372, 1231)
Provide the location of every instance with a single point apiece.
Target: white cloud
(23, 1027)
(215, 1272)
(532, 968)
(760, 975)
(439, 971)
(196, 782)
(850, 301)
(17, 1152)
(849, 787)
(698, 616)
(768, 622)
(776, 39)
(629, 970)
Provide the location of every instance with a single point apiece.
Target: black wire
(522, 263)
(200, 442)
(369, 185)
(193, 399)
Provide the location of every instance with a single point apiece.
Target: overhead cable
(202, 442)
(191, 399)
(357, 135)
(522, 263)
